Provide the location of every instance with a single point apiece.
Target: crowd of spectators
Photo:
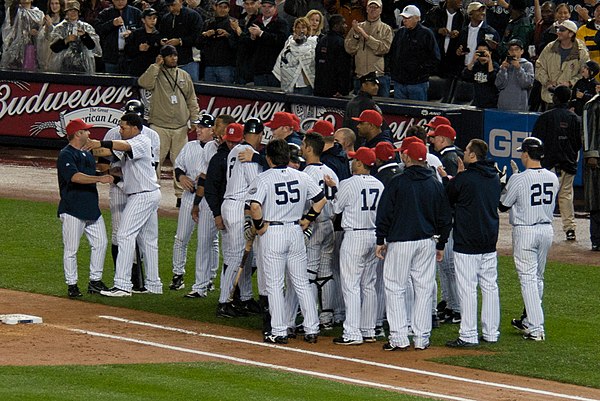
(513, 53)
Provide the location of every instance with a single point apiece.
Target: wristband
(106, 144)
(311, 215)
(258, 224)
(197, 200)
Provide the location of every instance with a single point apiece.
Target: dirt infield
(76, 332)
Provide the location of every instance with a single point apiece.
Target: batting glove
(249, 231)
(307, 234)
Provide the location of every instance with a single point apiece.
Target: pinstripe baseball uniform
(475, 194)
(239, 177)
(531, 197)
(139, 220)
(282, 193)
(357, 200)
(79, 213)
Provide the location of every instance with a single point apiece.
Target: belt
(359, 229)
(281, 223)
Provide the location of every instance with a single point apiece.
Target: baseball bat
(247, 250)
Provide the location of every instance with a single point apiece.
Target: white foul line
(271, 366)
(356, 360)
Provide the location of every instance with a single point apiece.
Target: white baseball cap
(410, 11)
(570, 25)
(378, 2)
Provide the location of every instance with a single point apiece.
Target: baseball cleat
(390, 347)
(455, 318)
(460, 343)
(379, 332)
(421, 347)
(73, 291)
(372, 339)
(195, 294)
(142, 290)
(291, 332)
(326, 326)
(482, 339)
(251, 306)
(273, 339)
(345, 341)
(94, 287)
(518, 324)
(177, 282)
(115, 292)
(210, 287)
(311, 338)
(571, 235)
(534, 337)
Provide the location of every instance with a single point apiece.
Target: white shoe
(115, 292)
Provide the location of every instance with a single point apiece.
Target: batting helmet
(253, 126)
(205, 120)
(533, 146)
(135, 106)
(295, 153)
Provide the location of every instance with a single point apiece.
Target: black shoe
(300, 330)
(390, 347)
(455, 318)
(226, 310)
(595, 247)
(195, 294)
(344, 341)
(441, 307)
(177, 282)
(518, 324)
(423, 348)
(534, 337)
(291, 333)
(369, 339)
(445, 316)
(73, 291)
(458, 343)
(139, 290)
(483, 340)
(571, 235)
(272, 339)
(210, 287)
(251, 306)
(94, 287)
(178, 203)
(311, 338)
(379, 332)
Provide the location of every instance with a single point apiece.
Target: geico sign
(504, 143)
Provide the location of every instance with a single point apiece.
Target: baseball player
(188, 167)
(531, 196)
(412, 210)
(277, 200)
(78, 208)
(357, 200)
(239, 177)
(474, 194)
(139, 218)
(118, 198)
(442, 139)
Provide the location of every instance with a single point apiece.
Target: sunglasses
(561, 29)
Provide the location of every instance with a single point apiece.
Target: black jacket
(216, 179)
(218, 51)
(449, 157)
(436, 18)
(414, 55)
(485, 92)
(387, 171)
(588, 88)
(333, 66)
(185, 26)
(474, 194)
(109, 34)
(335, 158)
(245, 52)
(269, 44)
(414, 206)
(359, 103)
(560, 130)
(484, 30)
(139, 60)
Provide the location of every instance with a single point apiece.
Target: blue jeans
(193, 69)
(411, 92)
(384, 86)
(223, 74)
(266, 80)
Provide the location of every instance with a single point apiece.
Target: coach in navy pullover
(474, 194)
(414, 206)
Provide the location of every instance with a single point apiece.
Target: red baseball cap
(444, 130)
(384, 151)
(77, 125)
(296, 119)
(416, 151)
(234, 132)
(364, 155)
(370, 116)
(281, 119)
(407, 141)
(437, 120)
(323, 127)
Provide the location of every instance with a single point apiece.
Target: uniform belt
(358, 229)
(281, 223)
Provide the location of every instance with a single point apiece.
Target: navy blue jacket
(474, 194)
(216, 179)
(414, 206)
(335, 158)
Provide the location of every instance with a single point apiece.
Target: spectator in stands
(351, 10)
(206, 8)
(585, 89)
(369, 86)
(317, 23)
(143, 45)
(114, 26)
(55, 14)
(269, 33)
(561, 13)
(446, 20)
(160, 6)
(75, 43)
(244, 72)
(368, 42)
(544, 19)
(514, 79)
(560, 62)
(295, 65)
(90, 9)
(475, 32)
(482, 71)
(20, 30)
(299, 8)
(218, 46)
(587, 34)
(414, 57)
(497, 14)
(333, 66)
(181, 27)
(519, 27)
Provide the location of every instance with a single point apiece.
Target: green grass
(32, 261)
(184, 381)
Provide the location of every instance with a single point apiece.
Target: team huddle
(335, 237)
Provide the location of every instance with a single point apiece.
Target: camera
(480, 53)
(510, 59)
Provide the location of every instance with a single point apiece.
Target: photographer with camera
(481, 71)
(514, 79)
